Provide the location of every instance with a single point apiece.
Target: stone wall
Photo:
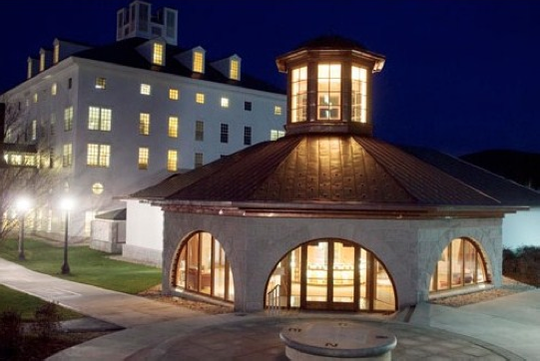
(408, 249)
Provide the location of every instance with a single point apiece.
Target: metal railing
(273, 300)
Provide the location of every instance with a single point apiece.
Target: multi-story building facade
(119, 117)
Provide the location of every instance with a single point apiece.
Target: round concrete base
(325, 341)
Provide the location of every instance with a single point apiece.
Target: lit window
(201, 266)
(198, 61)
(33, 135)
(99, 119)
(53, 123)
(359, 95)
(56, 53)
(247, 135)
(35, 97)
(157, 56)
(199, 98)
(247, 106)
(173, 94)
(101, 83)
(29, 70)
(235, 70)
(461, 264)
(173, 127)
(329, 92)
(143, 158)
(198, 160)
(68, 118)
(97, 188)
(42, 62)
(276, 134)
(224, 102)
(53, 89)
(67, 155)
(98, 155)
(172, 160)
(224, 134)
(299, 95)
(199, 130)
(277, 110)
(146, 89)
(144, 124)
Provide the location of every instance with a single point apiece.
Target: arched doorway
(200, 266)
(461, 264)
(334, 275)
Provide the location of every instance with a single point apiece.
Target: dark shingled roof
(339, 169)
(125, 53)
(506, 191)
(115, 215)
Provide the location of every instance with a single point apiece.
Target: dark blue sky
(460, 76)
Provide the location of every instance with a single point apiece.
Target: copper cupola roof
(328, 162)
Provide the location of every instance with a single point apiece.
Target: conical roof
(322, 169)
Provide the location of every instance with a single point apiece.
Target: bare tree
(26, 162)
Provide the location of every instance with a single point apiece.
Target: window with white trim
(146, 89)
(144, 124)
(99, 119)
(98, 155)
(143, 158)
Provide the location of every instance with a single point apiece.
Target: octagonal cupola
(329, 86)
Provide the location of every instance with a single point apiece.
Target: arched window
(331, 274)
(202, 267)
(461, 264)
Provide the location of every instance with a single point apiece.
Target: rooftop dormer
(154, 51)
(137, 20)
(193, 59)
(329, 86)
(229, 67)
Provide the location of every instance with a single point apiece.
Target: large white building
(119, 117)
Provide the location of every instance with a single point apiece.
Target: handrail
(273, 300)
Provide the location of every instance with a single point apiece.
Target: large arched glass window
(202, 267)
(461, 264)
(331, 274)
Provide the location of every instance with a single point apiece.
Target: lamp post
(66, 205)
(23, 205)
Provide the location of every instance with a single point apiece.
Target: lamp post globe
(66, 204)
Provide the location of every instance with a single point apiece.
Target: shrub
(11, 333)
(47, 321)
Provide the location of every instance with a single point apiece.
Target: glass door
(330, 281)
(344, 283)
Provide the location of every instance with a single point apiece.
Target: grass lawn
(87, 266)
(26, 305)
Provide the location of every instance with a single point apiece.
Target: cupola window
(359, 94)
(299, 95)
(329, 91)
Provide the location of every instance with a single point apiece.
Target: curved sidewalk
(158, 331)
(114, 307)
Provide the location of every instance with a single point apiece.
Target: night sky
(460, 76)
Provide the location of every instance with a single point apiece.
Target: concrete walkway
(511, 322)
(507, 328)
(115, 307)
